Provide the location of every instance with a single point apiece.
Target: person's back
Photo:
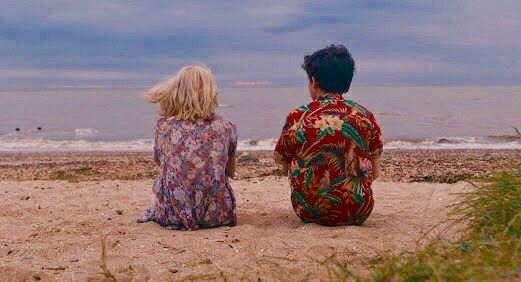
(193, 157)
(330, 147)
(195, 150)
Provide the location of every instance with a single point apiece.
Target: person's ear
(314, 83)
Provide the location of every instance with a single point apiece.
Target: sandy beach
(57, 207)
(52, 230)
(442, 166)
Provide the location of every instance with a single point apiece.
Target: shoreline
(443, 166)
(24, 144)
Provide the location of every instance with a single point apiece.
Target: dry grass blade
(103, 263)
(517, 130)
(489, 248)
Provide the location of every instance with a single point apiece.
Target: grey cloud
(394, 42)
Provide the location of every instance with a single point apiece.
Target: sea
(119, 119)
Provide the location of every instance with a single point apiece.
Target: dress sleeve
(375, 143)
(286, 145)
(232, 149)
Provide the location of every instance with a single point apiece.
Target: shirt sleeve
(286, 146)
(375, 143)
(232, 149)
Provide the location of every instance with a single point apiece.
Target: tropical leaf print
(314, 213)
(308, 179)
(333, 199)
(303, 108)
(337, 181)
(336, 112)
(357, 219)
(295, 173)
(359, 194)
(325, 103)
(325, 192)
(356, 106)
(326, 142)
(301, 135)
(334, 153)
(317, 160)
(321, 134)
(351, 133)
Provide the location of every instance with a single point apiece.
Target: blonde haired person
(195, 149)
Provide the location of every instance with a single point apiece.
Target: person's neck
(324, 94)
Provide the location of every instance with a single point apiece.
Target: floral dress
(331, 145)
(191, 188)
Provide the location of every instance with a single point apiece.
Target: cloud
(250, 83)
(393, 42)
(69, 74)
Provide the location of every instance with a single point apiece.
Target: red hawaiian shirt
(331, 145)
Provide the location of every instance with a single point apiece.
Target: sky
(112, 43)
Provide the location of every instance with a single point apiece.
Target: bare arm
(376, 168)
(156, 156)
(285, 169)
(230, 167)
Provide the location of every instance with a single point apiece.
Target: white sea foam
(32, 145)
(257, 145)
(86, 132)
(41, 144)
(456, 143)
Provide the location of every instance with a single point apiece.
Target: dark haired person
(330, 147)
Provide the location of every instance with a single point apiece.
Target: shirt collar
(330, 96)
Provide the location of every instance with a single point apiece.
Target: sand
(443, 166)
(52, 230)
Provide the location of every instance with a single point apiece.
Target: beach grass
(490, 249)
(75, 174)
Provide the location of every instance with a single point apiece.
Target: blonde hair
(190, 95)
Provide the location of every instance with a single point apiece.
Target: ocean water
(460, 117)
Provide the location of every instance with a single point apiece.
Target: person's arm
(232, 153)
(285, 148)
(156, 153)
(156, 143)
(156, 159)
(376, 168)
(285, 169)
(376, 147)
(230, 167)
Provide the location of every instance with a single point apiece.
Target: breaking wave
(10, 143)
(457, 143)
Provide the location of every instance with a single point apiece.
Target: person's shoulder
(159, 122)
(358, 108)
(223, 120)
(226, 123)
(299, 111)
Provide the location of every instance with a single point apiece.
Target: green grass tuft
(75, 175)
(490, 249)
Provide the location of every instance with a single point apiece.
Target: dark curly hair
(332, 67)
